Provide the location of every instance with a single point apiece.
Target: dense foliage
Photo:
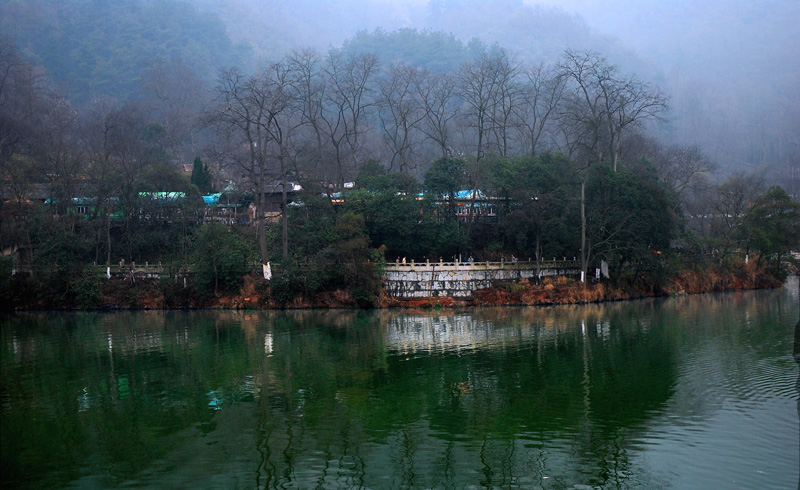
(220, 260)
(485, 158)
(433, 50)
(104, 48)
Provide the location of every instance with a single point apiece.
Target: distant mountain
(434, 50)
(540, 33)
(731, 66)
(93, 47)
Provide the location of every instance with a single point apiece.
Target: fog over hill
(731, 68)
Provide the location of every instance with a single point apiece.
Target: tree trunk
(538, 256)
(216, 278)
(583, 227)
(259, 217)
(108, 239)
(262, 238)
(284, 214)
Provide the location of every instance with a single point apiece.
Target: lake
(685, 392)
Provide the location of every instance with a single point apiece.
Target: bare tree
(732, 202)
(437, 94)
(698, 203)
(541, 93)
(237, 115)
(257, 116)
(276, 88)
(94, 128)
(600, 105)
(684, 169)
(487, 91)
(477, 87)
(99, 133)
(22, 98)
(681, 168)
(117, 155)
(583, 114)
(58, 154)
(584, 106)
(401, 114)
(346, 106)
(309, 92)
(178, 98)
(629, 103)
(612, 104)
(506, 98)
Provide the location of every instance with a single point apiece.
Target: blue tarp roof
(163, 196)
(468, 194)
(85, 201)
(212, 199)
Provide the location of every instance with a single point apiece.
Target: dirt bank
(255, 294)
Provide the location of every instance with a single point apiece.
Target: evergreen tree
(771, 227)
(201, 176)
(444, 179)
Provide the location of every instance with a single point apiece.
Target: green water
(691, 392)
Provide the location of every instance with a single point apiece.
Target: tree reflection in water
(494, 397)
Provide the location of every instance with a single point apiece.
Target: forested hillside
(432, 50)
(455, 144)
(91, 48)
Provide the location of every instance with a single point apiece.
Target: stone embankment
(564, 287)
(461, 279)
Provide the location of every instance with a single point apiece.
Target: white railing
(399, 265)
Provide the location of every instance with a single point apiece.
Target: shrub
(88, 286)
(220, 260)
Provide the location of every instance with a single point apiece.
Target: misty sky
(731, 67)
(710, 29)
(712, 38)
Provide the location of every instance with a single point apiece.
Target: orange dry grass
(741, 276)
(247, 297)
(552, 290)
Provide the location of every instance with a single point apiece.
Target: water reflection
(796, 353)
(611, 395)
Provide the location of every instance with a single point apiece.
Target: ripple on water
(767, 378)
(426, 402)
